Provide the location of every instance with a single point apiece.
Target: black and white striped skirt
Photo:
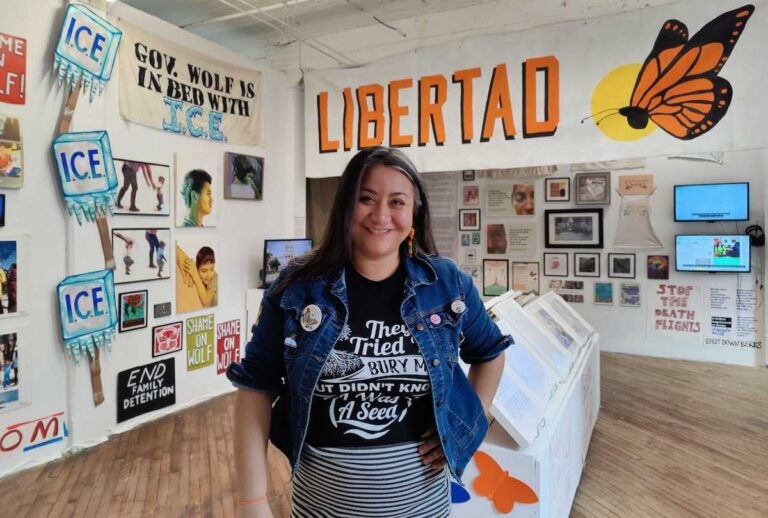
(383, 481)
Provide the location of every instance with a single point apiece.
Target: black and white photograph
(593, 188)
(556, 264)
(573, 228)
(586, 265)
(621, 266)
(468, 175)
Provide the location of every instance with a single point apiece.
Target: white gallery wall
(629, 329)
(51, 382)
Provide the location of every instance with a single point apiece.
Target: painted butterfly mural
(678, 86)
(498, 486)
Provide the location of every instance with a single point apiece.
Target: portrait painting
(197, 281)
(197, 190)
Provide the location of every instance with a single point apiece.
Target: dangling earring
(410, 241)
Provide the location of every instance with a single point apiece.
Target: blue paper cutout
(459, 495)
(87, 173)
(86, 48)
(87, 312)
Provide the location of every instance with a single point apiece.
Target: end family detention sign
(177, 90)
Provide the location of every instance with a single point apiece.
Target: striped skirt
(383, 481)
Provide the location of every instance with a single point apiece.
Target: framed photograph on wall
(525, 277)
(495, 277)
(468, 175)
(244, 176)
(573, 228)
(630, 294)
(593, 188)
(133, 306)
(471, 195)
(141, 254)
(557, 189)
(603, 293)
(469, 219)
(556, 264)
(586, 265)
(658, 267)
(621, 266)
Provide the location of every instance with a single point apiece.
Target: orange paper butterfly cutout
(678, 87)
(495, 484)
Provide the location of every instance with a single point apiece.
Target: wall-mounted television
(712, 253)
(278, 253)
(712, 202)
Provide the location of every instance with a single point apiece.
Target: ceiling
(295, 35)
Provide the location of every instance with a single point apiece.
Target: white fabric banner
(518, 99)
(176, 89)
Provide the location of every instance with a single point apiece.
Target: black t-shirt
(374, 388)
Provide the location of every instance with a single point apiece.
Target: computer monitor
(278, 253)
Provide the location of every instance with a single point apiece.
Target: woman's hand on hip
(431, 450)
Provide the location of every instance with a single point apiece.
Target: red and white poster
(227, 344)
(167, 339)
(13, 69)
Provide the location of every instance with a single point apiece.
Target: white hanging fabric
(634, 230)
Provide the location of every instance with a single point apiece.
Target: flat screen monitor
(278, 253)
(712, 202)
(712, 253)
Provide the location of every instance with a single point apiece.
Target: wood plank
(674, 439)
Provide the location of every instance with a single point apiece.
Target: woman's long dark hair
(335, 248)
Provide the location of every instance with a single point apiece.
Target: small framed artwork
(469, 219)
(475, 238)
(471, 195)
(658, 267)
(573, 228)
(495, 277)
(465, 240)
(244, 176)
(630, 294)
(621, 266)
(555, 264)
(141, 254)
(557, 189)
(468, 175)
(525, 277)
(593, 188)
(586, 265)
(167, 339)
(604, 293)
(133, 310)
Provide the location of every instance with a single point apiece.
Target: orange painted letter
(432, 111)
(396, 111)
(498, 106)
(370, 115)
(326, 145)
(465, 77)
(349, 118)
(551, 67)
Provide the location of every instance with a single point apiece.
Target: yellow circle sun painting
(611, 94)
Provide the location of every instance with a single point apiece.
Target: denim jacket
(284, 359)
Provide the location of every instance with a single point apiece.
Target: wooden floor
(674, 439)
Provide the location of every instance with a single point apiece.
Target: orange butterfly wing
(678, 86)
(499, 487)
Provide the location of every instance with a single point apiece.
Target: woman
(365, 331)
(198, 197)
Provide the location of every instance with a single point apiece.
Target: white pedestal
(551, 466)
